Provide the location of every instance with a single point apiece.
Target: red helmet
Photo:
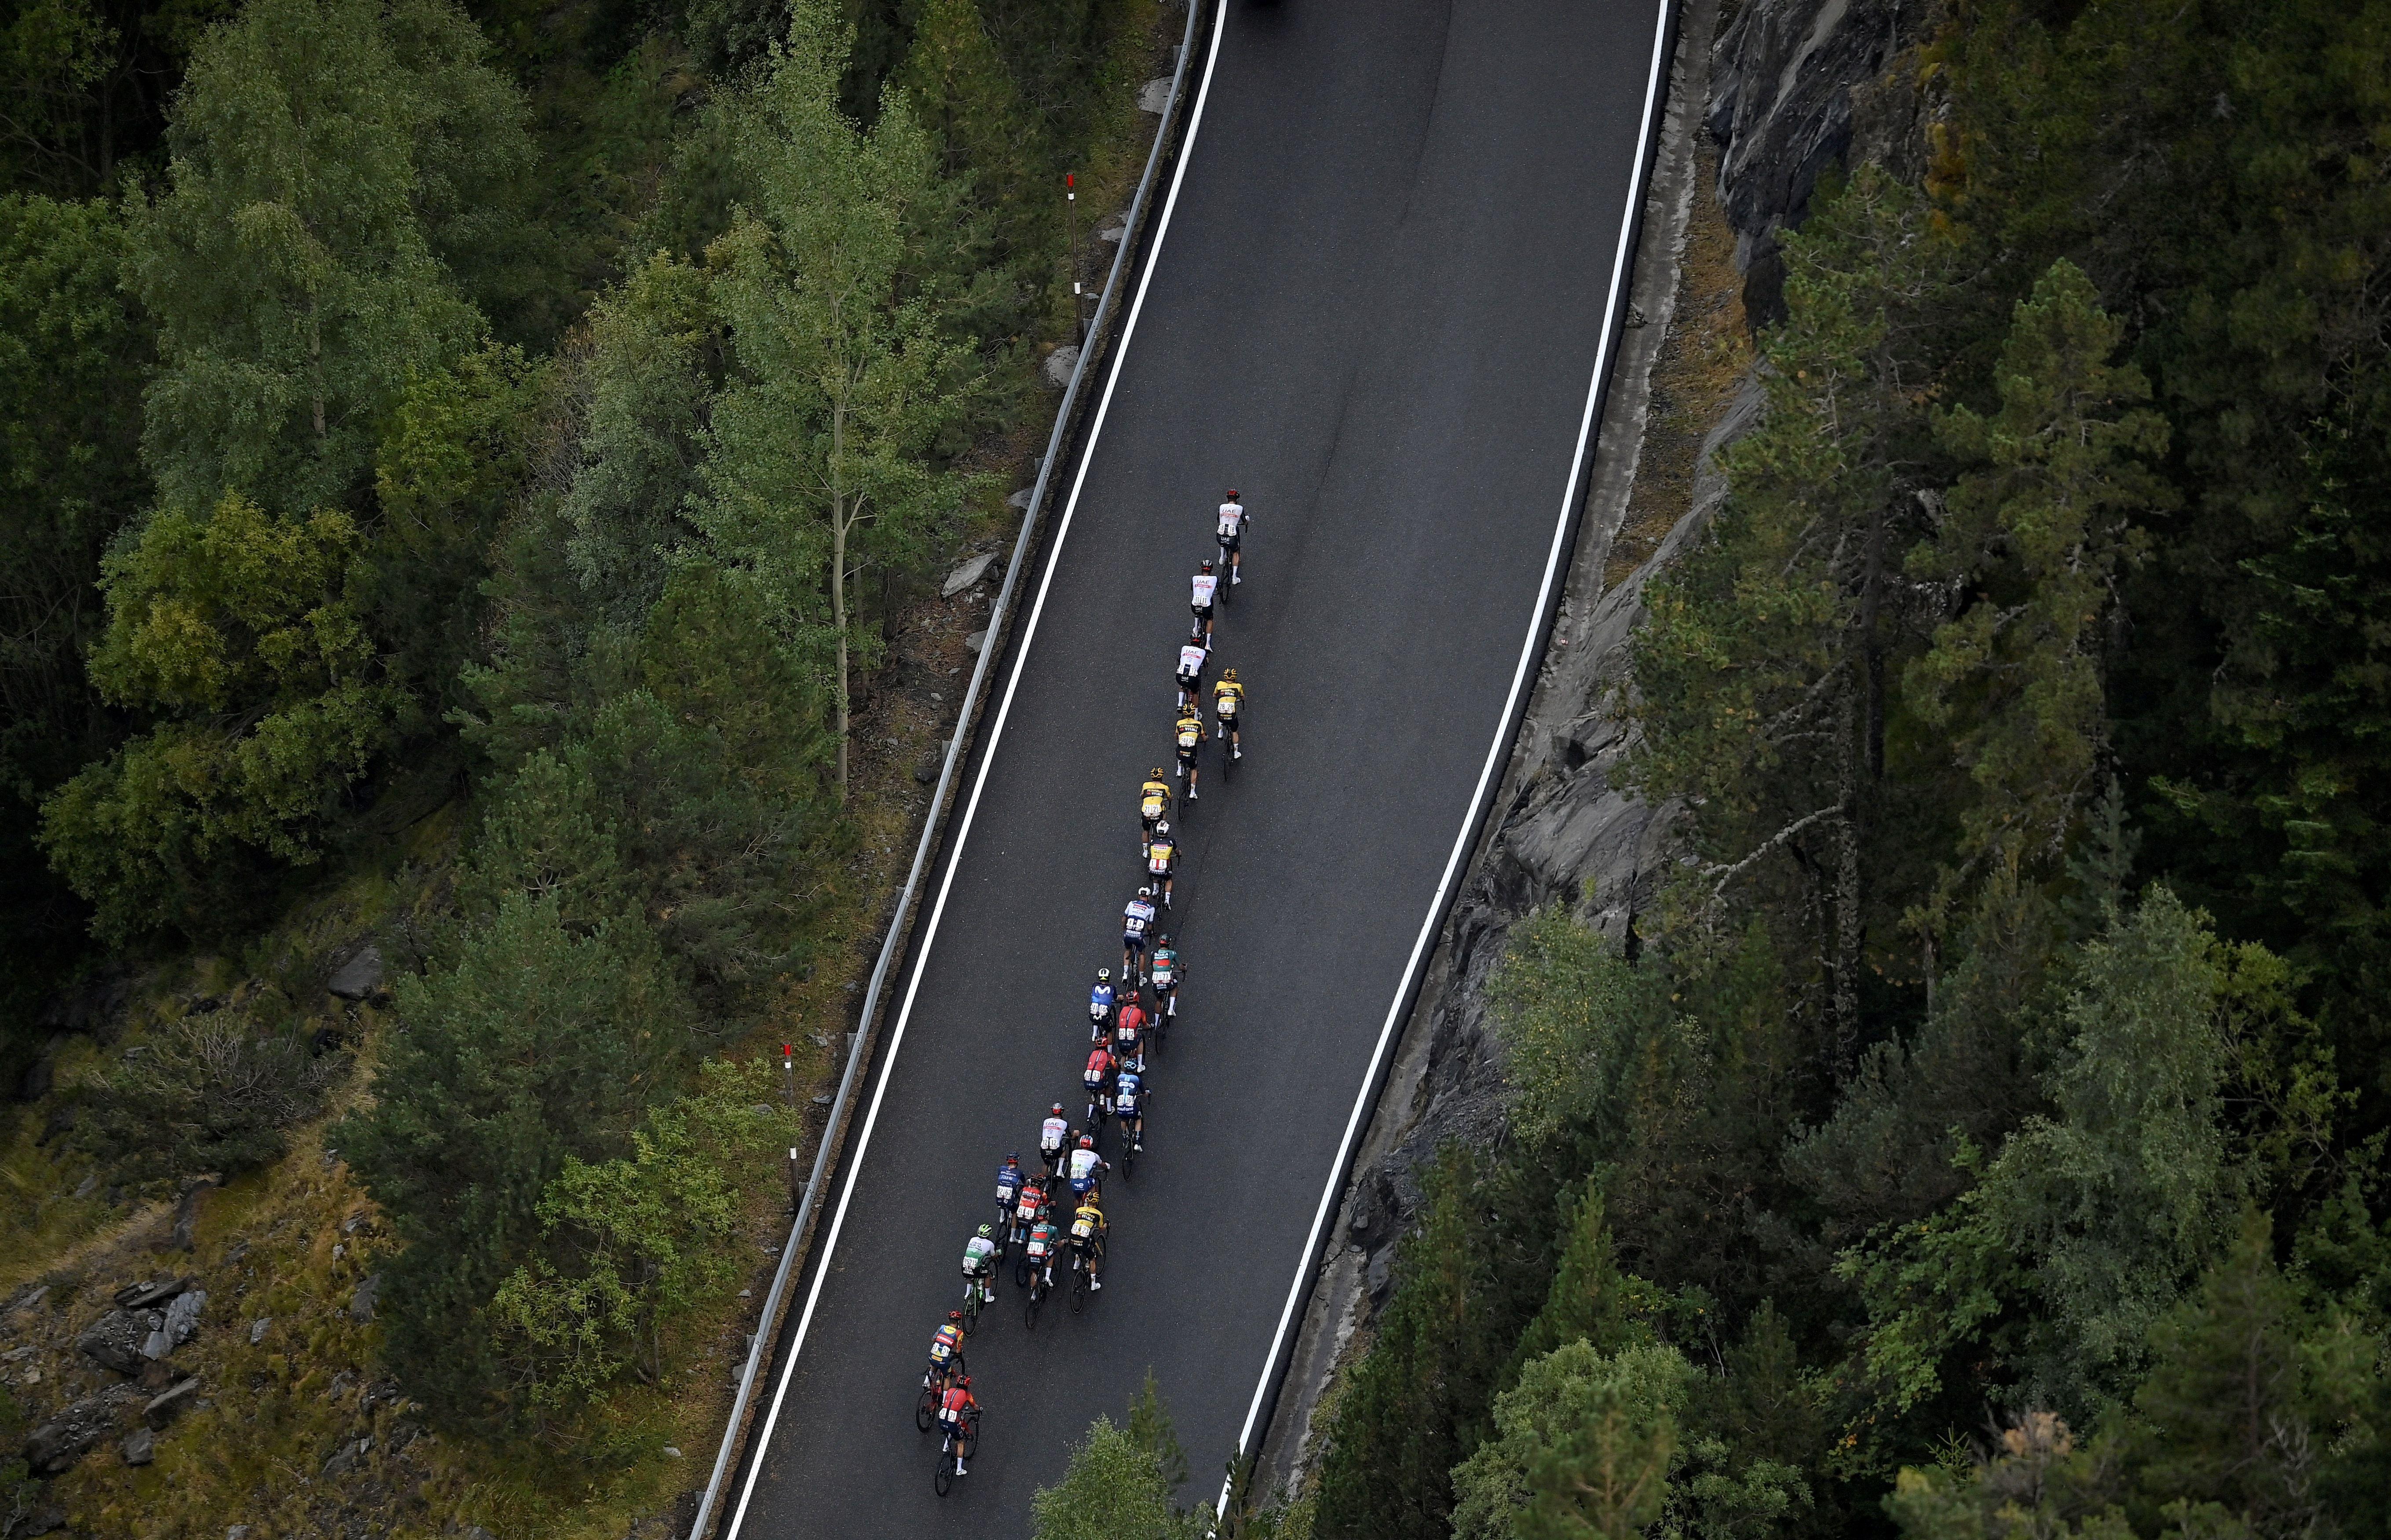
(1058, 1109)
(954, 1314)
(1087, 1141)
(967, 1381)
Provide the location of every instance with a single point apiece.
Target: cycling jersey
(1100, 1064)
(1233, 520)
(1008, 1182)
(1043, 1237)
(979, 1253)
(1084, 1163)
(1100, 1000)
(1131, 1021)
(1135, 917)
(1190, 662)
(1032, 1198)
(945, 1342)
(1158, 856)
(1206, 584)
(1126, 1094)
(1165, 973)
(1051, 1134)
(1227, 696)
(1152, 800)
(956, 1406)
(1088, 1227)
(1191, 735)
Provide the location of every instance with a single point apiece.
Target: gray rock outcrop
(114, 1341)
(57, 1444)
(359, 977)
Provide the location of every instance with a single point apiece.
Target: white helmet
(1162, 827)
(1145, 892)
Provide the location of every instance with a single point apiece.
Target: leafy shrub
(212, 1093)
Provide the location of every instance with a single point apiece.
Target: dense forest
(1985, 1136)
(479, 456)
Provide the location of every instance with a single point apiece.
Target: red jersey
(1100, 1064)
(1131, 1021)
(954, 1404)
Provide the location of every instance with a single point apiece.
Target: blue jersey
(1100, 999)
(1125, 1092)
(1008, 1182)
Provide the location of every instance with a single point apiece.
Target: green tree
(1761, 672)
(1582, 1446)
(2036, 538)
(816, 464)
(640, 1241)
(335, 163)
(531, 1047)
(244, 631)
(1116, 1488)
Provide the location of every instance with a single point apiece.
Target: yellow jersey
(1153, 799)
(1227, 696)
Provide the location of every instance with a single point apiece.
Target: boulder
(1056, 370)
(1155, 95)
(144, 1296)
(1020, 500)
(175, 1324)
(966, 574)
(361, 1302)
(359, 977)
(977, 640)
(140, 1446)
(163, 1409)
(57, 1444)
(114, 1341)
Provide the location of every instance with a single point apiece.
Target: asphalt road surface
(1375, 311)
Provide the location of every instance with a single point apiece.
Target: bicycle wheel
(1029, 1311)
(1129, 1153)
(945, 1478)
(1221, 594)
(925, 1411)
(971, 1308)
(1021, 1272)
(1079, 1282)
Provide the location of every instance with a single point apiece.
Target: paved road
(1376, 312)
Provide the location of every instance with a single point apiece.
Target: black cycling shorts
(1230, 542)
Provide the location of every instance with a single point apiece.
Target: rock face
(175, 1324)
(1796, 86)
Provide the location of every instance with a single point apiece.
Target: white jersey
(1084, 1164)
(1206, 584)
(977, 1253)
(1191, 661)
(1051, 1133)
(1233, 519)
(1137, 917)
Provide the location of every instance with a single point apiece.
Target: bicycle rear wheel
(945, 1478)
(1030, 1309)
(971, 1309)
(925, 1411)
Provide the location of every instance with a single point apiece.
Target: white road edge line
(1021, 656)
(1504, 731)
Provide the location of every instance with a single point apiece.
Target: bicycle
(925, 1410)
(950, 1459)
(972, 1302)
(1038, 1288)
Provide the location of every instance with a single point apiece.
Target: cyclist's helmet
(1233, 494)
(1163, 827)
(1163, 939)
(1058, 1109)
(1014, 1158)
(1103, 975)
(1230, 675)
(987, 1230)
(1155, 774)
(1145, 892)
(1207, 566)
(954, 1314)
(1087, 1141)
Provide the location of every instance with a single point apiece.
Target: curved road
(1376, 311)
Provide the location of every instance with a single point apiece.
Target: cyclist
(1187, 732)
(979, 1265)
(1136, 916)
(1045, 1240)
(1088, 1169)
(1153, 803)
(958, 1414)
(947, 1349)
(1192, 657)
(1129, 1094)
(1100, 1003)
(1228, 705)
(1027, 1207)
(1167, 970)
(1205, 583)
(1128, 1041)
(1088, 1230)
(1161, 855)
(1053, 1139)
(1233, 535)
(1008, 1187)
(1098, 1078)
